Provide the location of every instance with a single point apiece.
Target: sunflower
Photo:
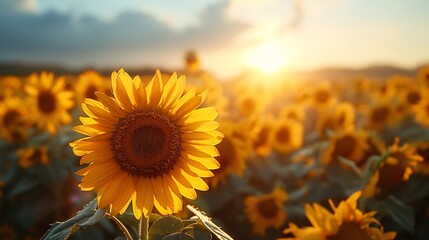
(413, 96)
(340, 118)
(149, 145)
(293, 112)
(396, 168)
(346, 222)
(323, 96)
(29, 157)
(232, 154)
(248, 104)
(88, 83)
(423, 76)
(192, 62)
(12, 84)
(348, 144)
(266, 211)
(421, 111)
(49, 101)
(422, 149)
(287, 136)
(13, 126)
(379, 116)
(262, 143)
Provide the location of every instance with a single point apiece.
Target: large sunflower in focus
(148, 144)
(49, 101)
(266, 211)
(346, 223)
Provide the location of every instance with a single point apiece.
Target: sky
(228, 35)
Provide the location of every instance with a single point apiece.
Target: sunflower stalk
(121, 226)
(144, 228)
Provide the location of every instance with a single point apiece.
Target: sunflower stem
(121, 226)
(144, 228)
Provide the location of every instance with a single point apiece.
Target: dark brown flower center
(322, 96)
(46, 102)
(350, 231)
(344, 147)
(380, 114)
(413, 97)
(90, 92)
(10, 117)
(147, 143)
(283, 134)
(268, 208)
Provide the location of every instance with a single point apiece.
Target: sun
(268, 57)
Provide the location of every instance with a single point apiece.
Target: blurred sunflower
(346, 222)
(422, 149)
(248, 104)
(348, 144)
(323, 96)
(13, 126)
(31, 156)
(340, 118)
(232, 154)
(149, 145)
(192, 62)
(266, 211)
(88, 83)
(421, 111)
(293, 112)
(396, 168)
(413, 96)
(49, 101)
(401, 83)
(376, 147)
(384, 92)
(12, 84)
(262, 144)
(423, 76)
(379, 116)
(287, 135)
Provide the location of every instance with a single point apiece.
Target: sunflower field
(120, 156)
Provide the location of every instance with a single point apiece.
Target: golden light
(269, 57)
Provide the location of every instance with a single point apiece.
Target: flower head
(148, 145)
(49, 101)
(266, 211)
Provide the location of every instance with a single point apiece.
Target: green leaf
(178, 236)
(86, 217)
(401, 213)
(198, 232)
(165, 226)
(22, 186)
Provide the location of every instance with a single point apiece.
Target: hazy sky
(228, 35)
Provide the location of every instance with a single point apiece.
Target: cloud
(18, 6)
(131, 38)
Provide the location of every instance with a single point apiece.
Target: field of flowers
(299, 159)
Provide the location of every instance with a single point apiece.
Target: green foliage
(88, 216)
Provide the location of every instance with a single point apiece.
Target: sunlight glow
(269, 57)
